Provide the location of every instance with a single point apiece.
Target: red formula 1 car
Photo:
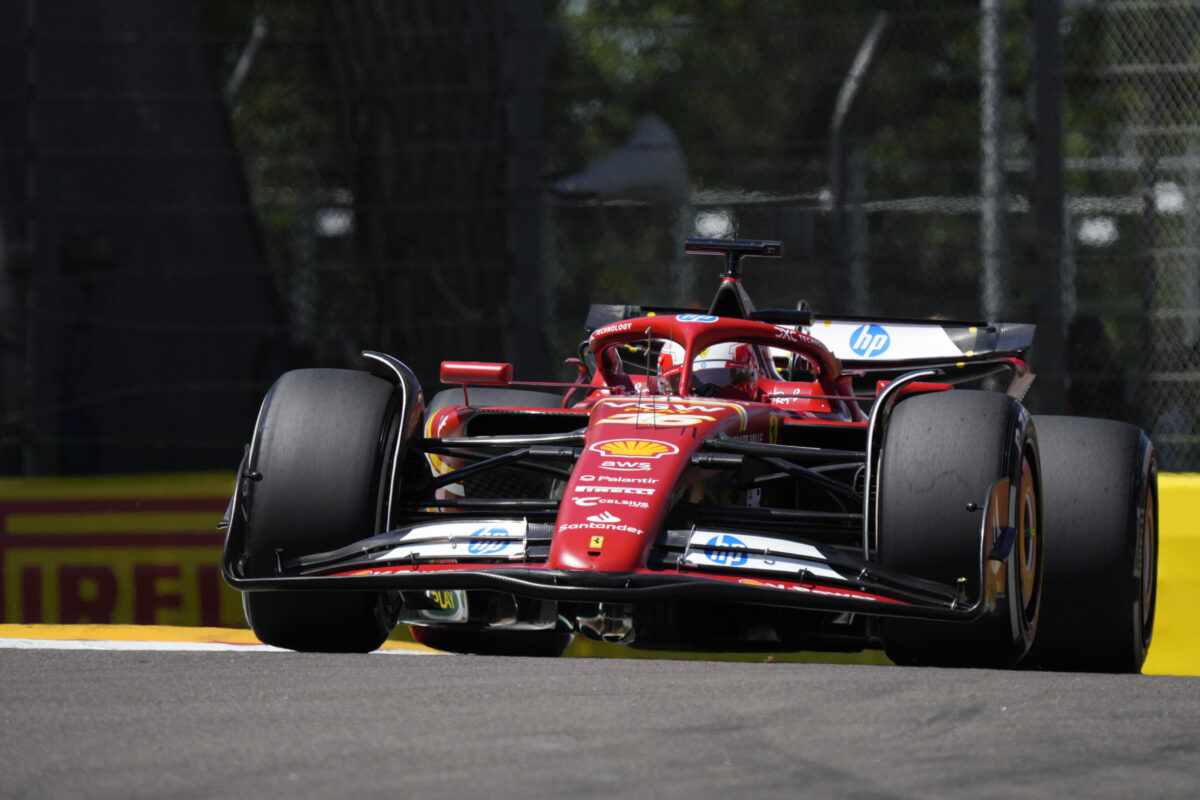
(740, 479)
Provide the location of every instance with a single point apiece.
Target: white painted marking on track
(110, 644)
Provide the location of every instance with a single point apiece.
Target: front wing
(507, 555)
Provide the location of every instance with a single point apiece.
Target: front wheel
(942, 455)
(320, 456)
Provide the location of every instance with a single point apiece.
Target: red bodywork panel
(638, 451)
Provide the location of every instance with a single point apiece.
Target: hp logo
(869, 341)
(724, 557)
(483, 547)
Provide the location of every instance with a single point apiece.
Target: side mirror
(476, 373)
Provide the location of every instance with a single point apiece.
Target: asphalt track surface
(269, 724)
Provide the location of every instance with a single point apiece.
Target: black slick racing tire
(1100, 494)
(941, 455)
(322, 447)
(546, 644)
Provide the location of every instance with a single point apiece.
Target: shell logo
(634, 448)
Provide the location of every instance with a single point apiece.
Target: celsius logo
(869, 341)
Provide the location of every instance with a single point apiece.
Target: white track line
(110, 644)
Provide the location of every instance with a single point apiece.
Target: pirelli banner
(125, 549)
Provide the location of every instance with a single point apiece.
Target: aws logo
(634, 448)
(625, 465)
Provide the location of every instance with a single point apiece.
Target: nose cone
(617, 500)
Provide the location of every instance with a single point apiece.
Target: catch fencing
(449, 180)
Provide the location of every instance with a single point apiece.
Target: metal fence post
(1046, 201)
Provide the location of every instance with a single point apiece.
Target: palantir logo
(731, 554)
(869, 341)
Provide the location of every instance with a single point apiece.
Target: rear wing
(885, 344)
(864, 343)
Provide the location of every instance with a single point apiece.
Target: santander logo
(604, 516)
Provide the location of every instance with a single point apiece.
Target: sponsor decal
(482, 547)
(696, 318)
(590, 502)
(450, 605)
(634, 448)
(681, 406)
(773, 428)
(625, 466)
(604, 516)
(616, 479)
(765, 553)
(607, 526)
(832, 591)
(614, 489)
(724, 556)
(115, 550)
(451, 531)
(595, 544)
(674, 413)
(869, 341)
(901, 341)
(770, 584)
(656, 419)
(447, 540)
(615, 327)
(787, 334)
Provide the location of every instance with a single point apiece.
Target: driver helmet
(728, 368)
(670, 367)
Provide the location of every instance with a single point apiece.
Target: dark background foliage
(201, 193)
